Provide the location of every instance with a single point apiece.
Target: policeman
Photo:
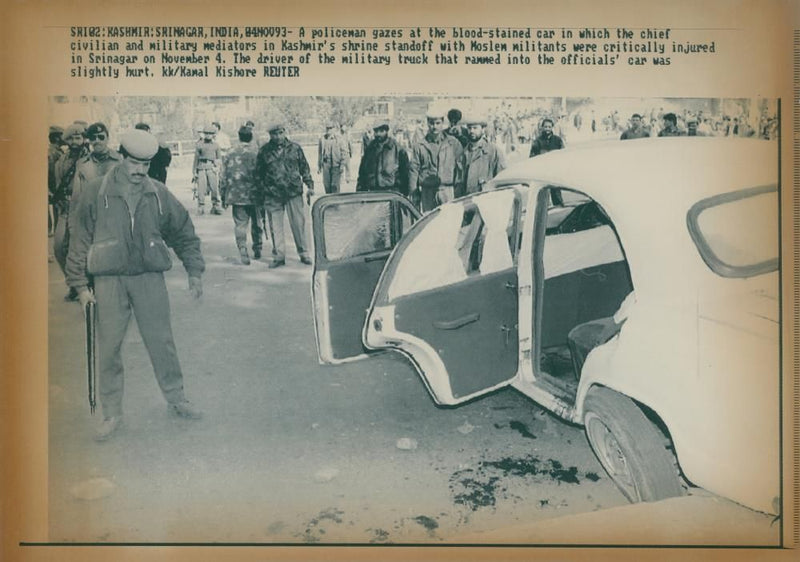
(64, 171)
(206, 165)
(123, 226)
(432, 164)
(99, 161)
(330, 159)
(481, 160)
(238, 187)
(282, 169)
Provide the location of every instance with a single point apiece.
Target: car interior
(584, 281)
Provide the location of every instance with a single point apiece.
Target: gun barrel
(91, 353)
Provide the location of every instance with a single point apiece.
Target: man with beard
(64, 176)
(480, 162)
(127, 258)
(636, 130)
(384, 166)
(282, 169)
(238, 187)
(546, 141)
(432, 165)
(206, 165)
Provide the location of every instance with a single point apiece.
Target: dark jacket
(160, 163)
(384, 167)
(478, 164)
(282, 171)
(543, 145)
(108, 238)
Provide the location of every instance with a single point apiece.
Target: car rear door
(448, 297)
(354, 233)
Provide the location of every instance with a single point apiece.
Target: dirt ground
(290, 451)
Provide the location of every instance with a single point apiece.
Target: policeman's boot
(243, 254)
(256, 253)
(201, 209)
(215, 208)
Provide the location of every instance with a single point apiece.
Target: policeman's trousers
(207, 181)
(242, 215)
(297, 221)
(146, 297)
(331, 178)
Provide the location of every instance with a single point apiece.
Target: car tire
(630, 447)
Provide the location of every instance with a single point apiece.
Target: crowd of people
(113, 218)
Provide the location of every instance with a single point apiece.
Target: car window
(473, 236)
(357, 228)
(737, 233)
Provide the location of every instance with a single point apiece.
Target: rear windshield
(737, 233)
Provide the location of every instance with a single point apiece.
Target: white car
(630, 287)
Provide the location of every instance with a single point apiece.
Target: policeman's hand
(85, 296)
(309, 195)
(196, 287)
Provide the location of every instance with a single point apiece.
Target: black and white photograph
(413, 320)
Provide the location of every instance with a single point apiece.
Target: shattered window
(363, 227)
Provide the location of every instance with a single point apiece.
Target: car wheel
(630, 447)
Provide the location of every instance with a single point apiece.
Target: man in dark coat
(546, 141)
(384, 166)
(636, 130)
(282, 169)
(162, 159)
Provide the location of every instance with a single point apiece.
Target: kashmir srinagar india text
(280, 49)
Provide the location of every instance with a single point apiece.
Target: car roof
(649, 171)
(647, 187)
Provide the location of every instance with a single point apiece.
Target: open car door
(448, 297)
(354, 233)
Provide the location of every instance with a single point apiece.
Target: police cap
(473, 119)
(73, 130)
(380, 124)
(140, 144)
(210, 128)
(96, 128)
(275, 125)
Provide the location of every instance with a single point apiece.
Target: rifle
(91, 353)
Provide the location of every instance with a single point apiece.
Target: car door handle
(457, 323)
(510, 285)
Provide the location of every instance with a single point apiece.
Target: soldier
(347, 150)
(207, 157)
(481, 160)
(282, 169)
(384, 166)
(432, 165)
(127, 260)
(99, 161)
(546, 141)
(53, 154)
(162, 159)
(238, 187)
(330, 159)
(64, 176)
(636, 130)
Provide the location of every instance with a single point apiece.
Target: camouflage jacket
(237, 183)
(282, 170)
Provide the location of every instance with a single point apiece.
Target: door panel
(354, 233)
(448, 297)
(472, 327)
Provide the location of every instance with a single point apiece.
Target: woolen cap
(473, 119)
(140, 144)
(274, 125)
(73, 130)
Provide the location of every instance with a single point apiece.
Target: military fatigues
(123, 242)
(330, 161)
(238, 187)
(384, 167)
(282, 170)
(206, 158)
(432, 169)
(480, 162)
